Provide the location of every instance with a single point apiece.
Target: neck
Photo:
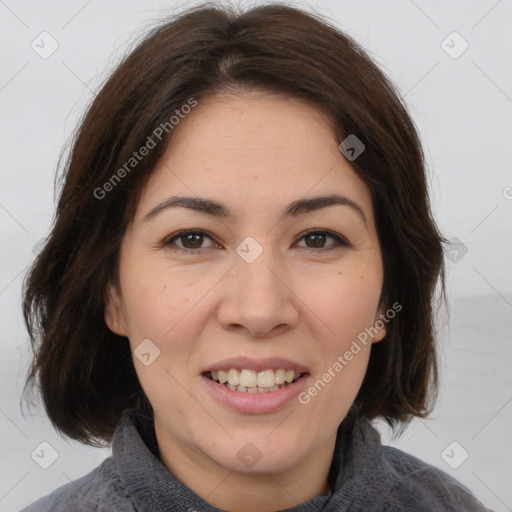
(247, 492)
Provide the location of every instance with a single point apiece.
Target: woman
(241, 276)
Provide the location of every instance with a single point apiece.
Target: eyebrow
(216, 209)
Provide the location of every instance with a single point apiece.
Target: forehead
(254, 148)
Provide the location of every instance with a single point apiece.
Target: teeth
(290, 375)
(266, 379)
(250, 381)
(248, 378)
(280, 376)
(234, 377)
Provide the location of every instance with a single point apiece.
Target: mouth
(244, 380)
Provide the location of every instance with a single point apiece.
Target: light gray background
(463, 109)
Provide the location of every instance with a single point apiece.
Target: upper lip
(258, 365)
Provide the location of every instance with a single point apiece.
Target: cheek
(149, 307)
(346, 306)
(345, 303)
(161, 305)
(164, 314)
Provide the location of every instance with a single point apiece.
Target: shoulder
(99, 490)
(385, 478)
(424, 486)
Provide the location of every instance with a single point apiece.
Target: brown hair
(86, 373)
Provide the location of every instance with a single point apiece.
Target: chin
(258, 453)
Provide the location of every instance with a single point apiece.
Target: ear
(114, 313)
(380, 324)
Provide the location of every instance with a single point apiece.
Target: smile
(251, 381)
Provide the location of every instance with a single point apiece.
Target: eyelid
(168, 240)
(342, 242)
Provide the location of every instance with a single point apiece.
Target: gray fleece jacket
(369, 477)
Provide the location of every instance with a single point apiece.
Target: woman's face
(250, 295)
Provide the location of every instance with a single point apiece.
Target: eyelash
(341, 242)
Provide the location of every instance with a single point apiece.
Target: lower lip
(254, 403)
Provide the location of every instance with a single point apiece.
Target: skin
(301, 299)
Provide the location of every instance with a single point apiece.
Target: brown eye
(317, 239)
(191, 241)
(194, 239)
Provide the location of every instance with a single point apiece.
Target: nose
(258, 299)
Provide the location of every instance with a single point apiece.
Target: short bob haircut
(85, 373)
